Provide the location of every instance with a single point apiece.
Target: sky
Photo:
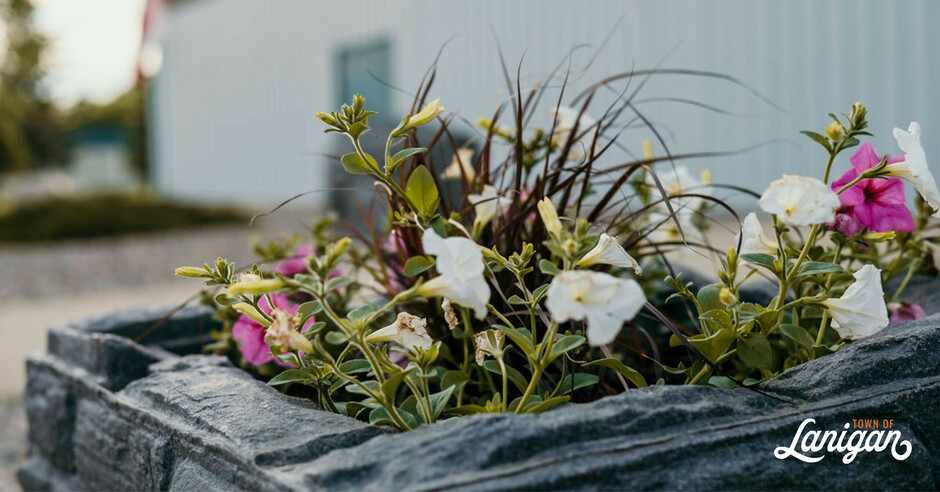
(95, 44)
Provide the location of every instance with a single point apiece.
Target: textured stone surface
(197, 423)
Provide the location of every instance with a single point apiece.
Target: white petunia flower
(914, 169)
(460, 265)
(408, 330)
(800, 201)
(609, 252)
(861, 311)
(488, 205)
(586, 132)
(753, 240)
(463, 159)
(667, 231)
(678, 181)
(604, 301)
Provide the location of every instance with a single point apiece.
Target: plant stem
(907, 278)
(502, 368)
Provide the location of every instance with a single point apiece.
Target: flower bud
(706, 176)
(727, 297)
(191, 272)
(341, 246)
(248, 310)
(549, 216)
(835, 131)
(255, 287)
(878, 237)
(647, 150)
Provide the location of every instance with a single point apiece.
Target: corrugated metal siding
(234, 106)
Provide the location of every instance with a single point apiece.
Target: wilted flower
(487, 205)
(799, 200)
(449, 315)
(877, 203)
(250, 333)
(914, 168)
(604, 301)
(297, 263)
(752, 237)
(460, 265)
(549, 217)
(408, 330)
(484, 347)
(905, 311)
(283, 332)
(462, 160)
(861, 310)
(586, 143)
(608, 251)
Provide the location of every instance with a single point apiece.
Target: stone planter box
(108, 413)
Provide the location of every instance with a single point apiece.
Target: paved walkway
(49, 284)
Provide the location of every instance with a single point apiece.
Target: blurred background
(139, 135)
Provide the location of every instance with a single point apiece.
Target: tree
(31, 130)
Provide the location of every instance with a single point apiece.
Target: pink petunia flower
(877, 204)
(250, 333)
(296, 264)
(846, 223)
(901, 312)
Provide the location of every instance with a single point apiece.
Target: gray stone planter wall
(107, 413)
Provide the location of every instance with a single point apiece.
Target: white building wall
(234, 106)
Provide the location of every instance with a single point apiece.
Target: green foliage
(106, 215)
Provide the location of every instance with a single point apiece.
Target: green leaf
(453, 378)
(821, 140)
(353, 408)
(390, 386)
(817, 268)
(337, 282)
(565, 344)
(439, 400)
(417, 264)
(548, 268)
(628, 372)
(335, 338)
(516, 377)
(380, 416)
(355, 366)
(516, 300)
(313, 328)
(422, 191)
(539, 407)
(308, 309)
(722, 382)
(754, 350)
(522, 340)
(466, 410)
(539, 292)
(289, 376)
(718, 317)
(714, 345)
(401, 155)
(353, 164)
(581, 380)
(359, 390)
(760, 259)
(361, 311)
(709, 298)
(799, 335)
